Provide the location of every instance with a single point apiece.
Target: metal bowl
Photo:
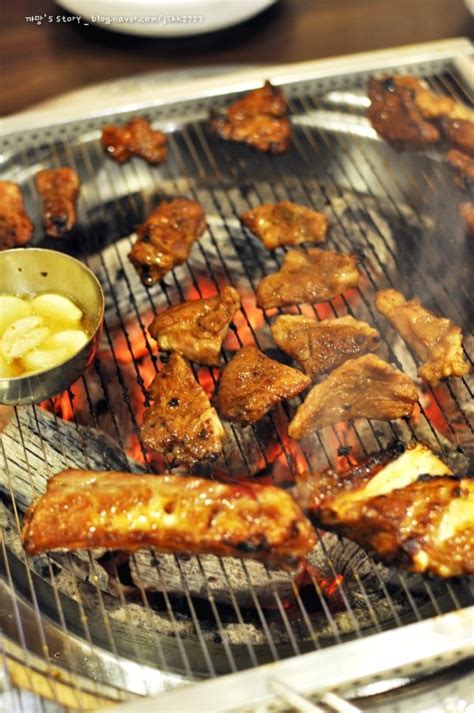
(32, 270)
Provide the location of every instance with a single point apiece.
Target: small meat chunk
(466, 210)
(396, 117)
(366, 387)
(166, 237)
(251, 384)
(84, 509)
(258, 119)
(312, 276)
(136, 138)
(460, 133)
(286, 223)
(196, 329)
(15, 226)
(322, 346)
(434, 106)
(462, 164)
(59, 189)
(181, 423)
(406, 509)
(435, 340)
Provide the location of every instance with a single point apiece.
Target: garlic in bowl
(51, 312)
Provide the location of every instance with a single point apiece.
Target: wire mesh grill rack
(115, 626)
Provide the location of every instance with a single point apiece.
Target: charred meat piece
(396, 117)
(181, 423)
(460, 133)
(286, 223)
(59, 189)
(366, 387)
(251, 384)
(166, 237)
(322, 346)
(405, 509)
(258, 119)
(15, 226)
(172, 513)
(434, 106)
(136, 138)
(312, 276)
(466, 211)
(435, 340)
(462, 164)
(196, 329)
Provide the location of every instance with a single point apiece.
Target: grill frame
(327, 76)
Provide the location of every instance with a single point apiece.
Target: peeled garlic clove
(8, 370)
(22, 336)
(11, 309)
(42, 359)
(57, 309)
(71, 339)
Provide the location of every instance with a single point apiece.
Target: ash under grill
(202, 616)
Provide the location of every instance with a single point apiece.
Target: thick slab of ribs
(16, 228)
(177, 514)
(285, 223)
(59, 190)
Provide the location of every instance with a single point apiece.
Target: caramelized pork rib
(435, 340)
(366, 387)
(285, 223)
(166, 237)
(398, 512)
(251, 384)
(434, 106)
(396, 117)
(196, 329)
(136, 138)
(258, 119)
(15, 226)
(322, 346)
(174, 514)
(460, 133)
(462, 164)
(59, 189)
(181, 423)
(312, 276)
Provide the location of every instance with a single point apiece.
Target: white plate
(164, 18)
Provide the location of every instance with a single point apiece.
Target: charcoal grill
(92, 629)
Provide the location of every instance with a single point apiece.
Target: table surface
(40, 62)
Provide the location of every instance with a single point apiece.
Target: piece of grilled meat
(435, 340)
(460, 133)
(466, 211)
(196, 329)
(15, 226)
(136, 138)
(166, 237)
(396, 117)
(285, 223)
(322, 346)
(181, 423)
(366, 387)
(59, 189)
(311, 276)
(172, 513)
(434, 106)
(251, 384)
(403, 506)
(258, 119)
(463, 165)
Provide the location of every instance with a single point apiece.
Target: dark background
(39, 62)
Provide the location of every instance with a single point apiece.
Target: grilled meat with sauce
(366, 387)
(403, 506)
(59, 189)
(459, 133)
(136, 138)
(258, 119)
(251, 384)
(172, 513)
(196, 329)
(181, 423)
(15, 227)
(463, 165)
(166, 237)
(434, 106)
(285, 223)
(322, 346)
(435, 340)
(312, 276)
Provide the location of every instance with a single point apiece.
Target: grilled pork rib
(15, 226)
(59, 189)
(285, 223)
(136, 138)
(176, 514)
(196, 329)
